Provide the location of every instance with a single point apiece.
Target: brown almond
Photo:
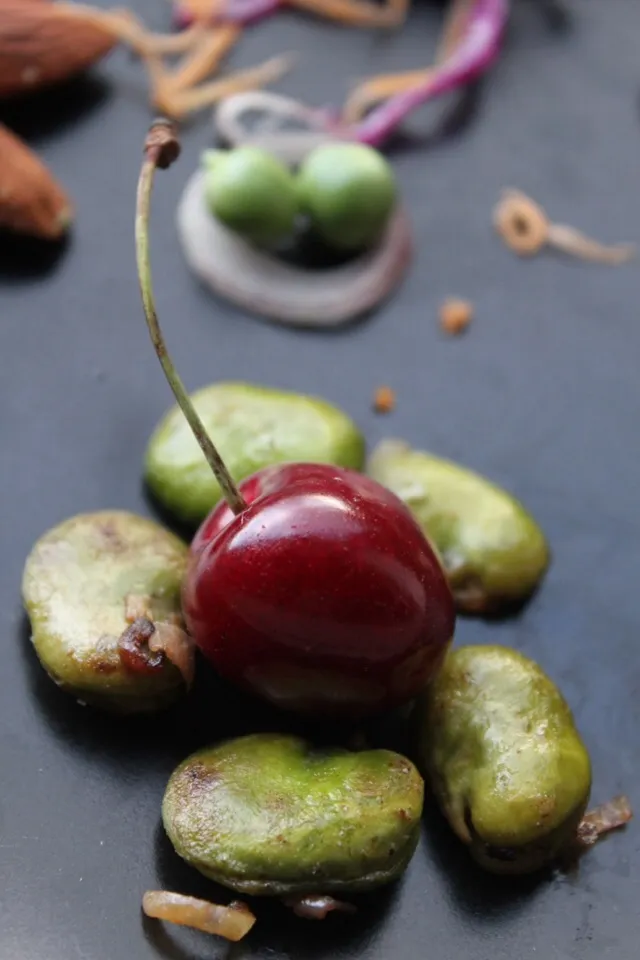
(31, 201)
(42, 43)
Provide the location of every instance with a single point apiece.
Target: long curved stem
(160, 150)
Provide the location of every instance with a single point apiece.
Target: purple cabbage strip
(474, 55)
(237, 11)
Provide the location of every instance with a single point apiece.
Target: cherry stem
(161, 148)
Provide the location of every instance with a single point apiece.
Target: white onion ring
(291, 146)
(260, 283)
(233, 922)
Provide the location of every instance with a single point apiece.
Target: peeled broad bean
(254, 427)
(501, 752)
(268, 815)
(493, 551)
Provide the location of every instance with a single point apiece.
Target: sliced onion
(233, 922)
(261, 283)
(177, 647)
(317, 907)
(284, 126)
(603, 819)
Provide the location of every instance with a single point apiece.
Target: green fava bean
(349, 192)
(504, 759)
(83, 583)
(251, 192)
(254, 427)
(492, 550)
(267, 815)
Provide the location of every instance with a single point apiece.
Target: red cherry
(314, 587)
(322, 596)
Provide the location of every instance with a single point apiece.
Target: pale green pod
(83, 583)
(253, 427)
(503, 757)
(493, 551)
(268, 815)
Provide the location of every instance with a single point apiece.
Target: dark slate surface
(542, 395)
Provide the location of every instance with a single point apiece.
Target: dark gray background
(542, 395)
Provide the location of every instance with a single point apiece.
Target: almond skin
(31, 201)
(42, 43)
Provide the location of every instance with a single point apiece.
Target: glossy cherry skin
(323, 596)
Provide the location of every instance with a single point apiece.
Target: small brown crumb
(384, 400)
(455, 316)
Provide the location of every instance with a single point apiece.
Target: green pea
(80, 582)
(492, 550)
(251, 192)
(253, 427)
(348, 191)
(268, 815)
(501, 752)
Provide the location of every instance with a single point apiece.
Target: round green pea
(348, 191)
(251, 192)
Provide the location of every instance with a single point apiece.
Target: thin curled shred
(577, 244)
(180, 103)
(358, 13)
(525, 228)
(612, 815)
(521, 222)
(233, 922)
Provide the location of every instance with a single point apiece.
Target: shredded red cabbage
(473, 56)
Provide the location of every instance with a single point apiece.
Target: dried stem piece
(526, 229)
